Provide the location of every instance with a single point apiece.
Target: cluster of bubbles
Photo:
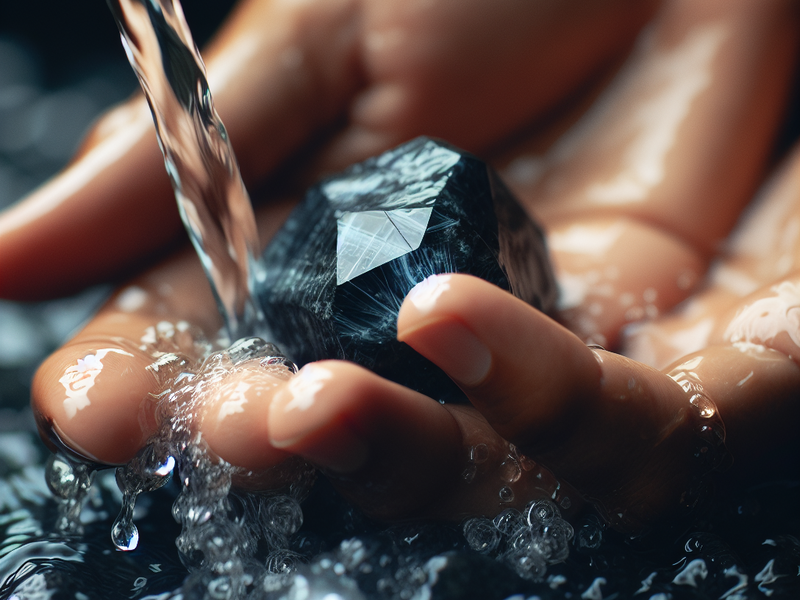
(221, 531)
(528, 541)
(224, 533)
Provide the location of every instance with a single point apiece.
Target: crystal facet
(340, 267)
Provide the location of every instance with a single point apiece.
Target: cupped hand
(634, 198)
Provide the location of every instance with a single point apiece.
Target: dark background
(69, 36)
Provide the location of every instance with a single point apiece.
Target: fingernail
(446, 341)
(293, 404)
(454, 348)
(303, 419)
(425, 294)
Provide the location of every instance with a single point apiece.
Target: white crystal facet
(371, 238)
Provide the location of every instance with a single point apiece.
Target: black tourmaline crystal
(340, 267)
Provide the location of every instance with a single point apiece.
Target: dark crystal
(340, 267)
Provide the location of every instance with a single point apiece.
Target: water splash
(212, 199)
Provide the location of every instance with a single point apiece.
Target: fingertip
(387, 448)
(235, 417)
(430, 321)
(95, 397)
(308, 415)
(522, 370)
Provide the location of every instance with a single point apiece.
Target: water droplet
(479, 454)
(61, 479)
(481, 535)
(540, 512)
(509, 521)
(705, 407)
(506, 494)
(124, 533)
(469, 473)
(510, 471)
(284, 515)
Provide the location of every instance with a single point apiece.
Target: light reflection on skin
(131, 299)
(679, 76)
(235, 401)
(78, 379)
(639, 135)
(766, 318)
(304, 387)
(425, 294)
(591, 241)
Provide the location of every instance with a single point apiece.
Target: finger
(485, 339)
(662, 142)
(95, 393)
(471, 73)
(108, 210)
(762, 250)
(396, 453)
(755, 389)
(613, 429)
(279, 71)
(235, 416)
(391, 450)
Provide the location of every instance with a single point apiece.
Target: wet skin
(635, 193)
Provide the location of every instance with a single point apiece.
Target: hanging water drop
(124, 533)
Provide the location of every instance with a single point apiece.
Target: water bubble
(509, 521)
(510, 471)
(250, 348)
(469, 472)
(527, 566)
(168, 366)
(352, 553)
(479, 454)
(506, 494)
(481, 535)
(540, 512)
(284, 515)
(283, 562)
(220, 588)
(589, 535)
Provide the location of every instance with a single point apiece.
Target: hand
(391, 450)
(330, 81)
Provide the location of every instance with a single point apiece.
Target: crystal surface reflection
(338, 270)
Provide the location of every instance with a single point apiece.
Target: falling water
(212, 199)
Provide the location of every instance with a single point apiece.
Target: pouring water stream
(212, 199)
